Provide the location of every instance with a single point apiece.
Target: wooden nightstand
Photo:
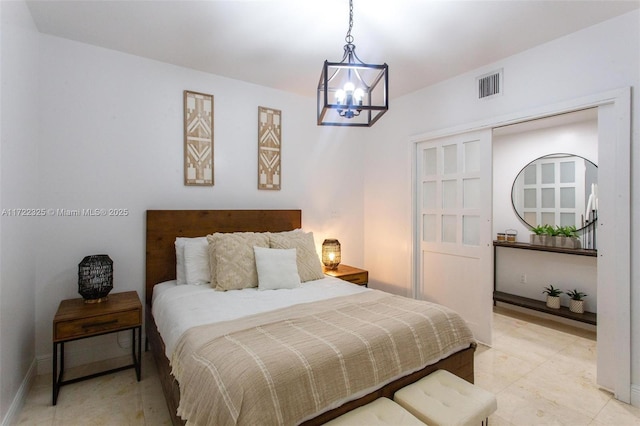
(349, 273)
(76, 320)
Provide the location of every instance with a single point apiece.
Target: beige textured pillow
(235, 262)
(211, 241)
(309, 266)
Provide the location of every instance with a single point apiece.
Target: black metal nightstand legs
(136, 354)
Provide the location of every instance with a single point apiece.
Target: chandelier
(350, 92)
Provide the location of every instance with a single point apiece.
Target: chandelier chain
(349, 38)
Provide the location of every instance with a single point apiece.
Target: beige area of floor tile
(542, 374)
(114, 399)
(617, 413)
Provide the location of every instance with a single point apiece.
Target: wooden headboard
(163, 226)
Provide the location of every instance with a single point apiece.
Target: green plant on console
(552, 291)
(576, 295)
(550, 230)
(539, 230)
(567, 231)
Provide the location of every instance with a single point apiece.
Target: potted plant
(551, 232)
(576, 302)
(553, 297)
(539, 235)
(567, 237)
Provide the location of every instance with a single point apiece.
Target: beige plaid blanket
(287, 366)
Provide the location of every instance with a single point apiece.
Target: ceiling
(283, 43)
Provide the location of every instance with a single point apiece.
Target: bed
(164, 226)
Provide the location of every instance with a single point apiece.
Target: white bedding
(176, 308)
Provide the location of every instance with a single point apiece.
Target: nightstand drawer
(349, 273)
(96, 325)
(360, 279)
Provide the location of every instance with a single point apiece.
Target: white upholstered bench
(444, 399)
(381, 412)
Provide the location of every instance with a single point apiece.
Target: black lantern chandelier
(350, 92)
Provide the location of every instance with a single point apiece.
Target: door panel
(453, 193)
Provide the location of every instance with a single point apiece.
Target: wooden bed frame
(163, 226)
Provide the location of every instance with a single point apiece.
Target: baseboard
(21, 396)
(635, 395)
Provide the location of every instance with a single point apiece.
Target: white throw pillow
(179, 244)
(277, 268)
(196, 261)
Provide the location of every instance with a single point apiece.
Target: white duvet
(176, 308)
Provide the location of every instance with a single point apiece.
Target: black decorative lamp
(350, 92)
(95, 278)
(331, 253)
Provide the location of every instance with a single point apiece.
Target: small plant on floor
(553, 297)
(576, 302)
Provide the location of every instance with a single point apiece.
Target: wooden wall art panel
(269, 148)
(198, 139)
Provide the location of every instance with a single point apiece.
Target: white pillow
(277, 268)
(179, 244)
(196, 261)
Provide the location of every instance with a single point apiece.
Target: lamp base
(331, 267)
(98, 300)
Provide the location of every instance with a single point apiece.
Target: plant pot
(572, 243)
(553, 302)
(552, 241)
(540, 240)
(546, 240)
(576, 306)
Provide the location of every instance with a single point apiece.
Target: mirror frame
(556, 155)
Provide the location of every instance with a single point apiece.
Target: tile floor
(544, 373)
(541, 375)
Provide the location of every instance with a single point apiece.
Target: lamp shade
(95, 278)
(331, 253)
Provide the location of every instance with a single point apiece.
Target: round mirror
(555, 190)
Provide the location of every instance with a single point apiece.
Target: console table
(538, 305)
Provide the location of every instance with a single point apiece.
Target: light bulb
(358, 95)
(340, 95)
(349, 87)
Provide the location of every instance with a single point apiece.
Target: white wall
(600, 58)
(18, 189)
(111, 136)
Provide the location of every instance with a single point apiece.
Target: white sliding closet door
(453, 213)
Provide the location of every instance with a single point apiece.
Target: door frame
(617, 153)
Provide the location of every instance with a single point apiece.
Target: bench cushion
(442, 398)
(380, 412)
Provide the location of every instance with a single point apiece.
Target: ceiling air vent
(490, 84)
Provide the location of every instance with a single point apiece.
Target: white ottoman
(443, 398)
(380, 412)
